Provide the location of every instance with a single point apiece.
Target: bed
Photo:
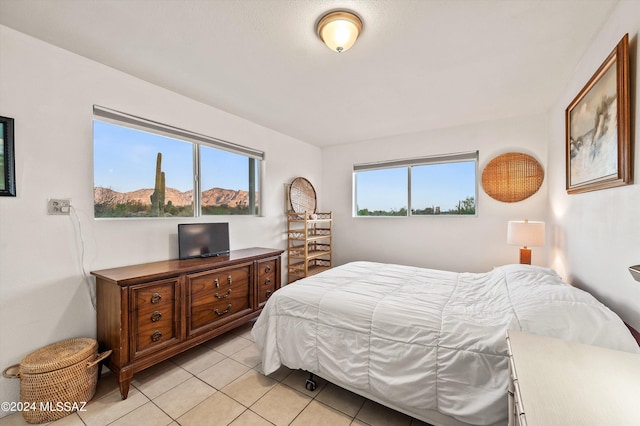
(425, 342)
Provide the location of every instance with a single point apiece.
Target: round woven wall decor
(302, 196)
(512, 177)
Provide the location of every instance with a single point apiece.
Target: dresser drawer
(154, 296)
(151, 335)
(154, 316)
(218, 297)
(218, 282)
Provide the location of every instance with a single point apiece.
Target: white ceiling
(419, 64)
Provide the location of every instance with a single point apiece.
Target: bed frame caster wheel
(311, 385)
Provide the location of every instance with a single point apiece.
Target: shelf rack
(308, 243)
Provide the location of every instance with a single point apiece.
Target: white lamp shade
(525, 233)
(339, 30)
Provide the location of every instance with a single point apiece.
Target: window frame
(408, 163)
(118, 118)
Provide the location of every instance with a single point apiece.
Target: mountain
(219, 196)
(210, 197)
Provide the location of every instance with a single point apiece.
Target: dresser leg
(124, 381)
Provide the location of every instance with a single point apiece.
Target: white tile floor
(219, 383)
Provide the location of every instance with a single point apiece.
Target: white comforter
(425, 339)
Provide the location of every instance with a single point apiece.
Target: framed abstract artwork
(598, 139)
(7, 161)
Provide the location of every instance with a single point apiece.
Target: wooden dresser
(149, 312)
(555, 382)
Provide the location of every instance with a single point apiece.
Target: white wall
(471, 244)
(596, 235)
(50, 93)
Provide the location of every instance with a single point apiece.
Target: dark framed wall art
(598, 141)
(7, 159)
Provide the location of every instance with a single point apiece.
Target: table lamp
(526, 234)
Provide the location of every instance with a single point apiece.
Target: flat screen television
(202, 239)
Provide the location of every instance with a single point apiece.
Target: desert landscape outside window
(142, 173)
(443, 185)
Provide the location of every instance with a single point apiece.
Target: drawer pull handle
(156, 298)
(156, 336)
(267, 281)
(223, 312)
(155, 316)
(217, 282)
(224, 296)
(268, 294)
(267, 269)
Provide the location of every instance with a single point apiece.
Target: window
(147, 169)
(228, 180)
(440, 185)
(382, 192)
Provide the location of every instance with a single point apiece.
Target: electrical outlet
(59, 206)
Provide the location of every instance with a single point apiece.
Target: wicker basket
(57, 379)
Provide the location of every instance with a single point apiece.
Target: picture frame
(598, 138)
(7, 158)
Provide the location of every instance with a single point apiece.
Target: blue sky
(125, 160)
(440, 185)
(384, 189)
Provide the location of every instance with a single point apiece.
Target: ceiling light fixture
(339, 30)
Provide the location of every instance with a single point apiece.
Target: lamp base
(525, 256)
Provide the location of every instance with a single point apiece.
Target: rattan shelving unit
(308, 243)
